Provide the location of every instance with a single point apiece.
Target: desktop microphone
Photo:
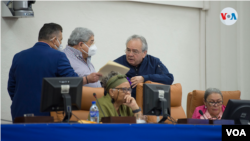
(202, 113)
(98, 104)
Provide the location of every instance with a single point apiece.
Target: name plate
(35, 119)
(118, 120)
(205, 121)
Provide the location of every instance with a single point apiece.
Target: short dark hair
(48, 30)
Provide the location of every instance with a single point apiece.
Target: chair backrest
(87, 96)
(176, 96)
(195, 99)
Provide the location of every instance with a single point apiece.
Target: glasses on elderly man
(134, 52)
(125, 90)
(215, 103)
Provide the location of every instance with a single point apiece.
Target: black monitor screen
(238, 110)
(153, 99)
(53, 90)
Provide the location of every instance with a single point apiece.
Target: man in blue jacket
(143, 67)
(30, 66)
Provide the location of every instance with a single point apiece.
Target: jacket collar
(42, 44)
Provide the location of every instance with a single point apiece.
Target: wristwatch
(137, 110)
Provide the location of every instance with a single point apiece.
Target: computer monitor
(61, 94)
(156, 100)
(238, 110)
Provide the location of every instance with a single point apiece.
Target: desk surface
(128, 132)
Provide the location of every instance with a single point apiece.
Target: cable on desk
(77, 117)
(171, 119)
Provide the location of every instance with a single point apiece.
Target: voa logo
(228, 16)
(236, 132)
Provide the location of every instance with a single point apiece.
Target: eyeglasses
(124, 90)
(134, 52)
(215, 103)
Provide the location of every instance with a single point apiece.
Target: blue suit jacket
(28, 69)
(151, 69)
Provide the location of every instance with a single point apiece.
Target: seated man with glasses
(212, 108)
(143, 67)
(117, 100)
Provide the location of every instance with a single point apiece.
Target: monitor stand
(67, 108)
(164, 110)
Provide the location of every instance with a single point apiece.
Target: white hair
(79, 34)
(143, 40)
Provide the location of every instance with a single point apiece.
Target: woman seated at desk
(117, 100)
(212, 108)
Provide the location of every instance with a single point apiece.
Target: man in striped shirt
(79, 51)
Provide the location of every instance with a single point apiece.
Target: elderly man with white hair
(79, 51)
(143, 67)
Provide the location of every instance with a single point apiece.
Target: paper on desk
(113, 66)
(86, 121)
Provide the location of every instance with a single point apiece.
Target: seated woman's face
(214, 103)
(124, 89)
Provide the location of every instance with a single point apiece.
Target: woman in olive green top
(117, 100)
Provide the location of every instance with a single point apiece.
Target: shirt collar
(89, 58)
(76, 52)
(208, 116)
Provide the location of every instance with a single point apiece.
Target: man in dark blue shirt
(143, 67)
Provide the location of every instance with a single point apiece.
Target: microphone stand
(94, 94)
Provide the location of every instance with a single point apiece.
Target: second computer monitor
(156, 100)
(238, 110)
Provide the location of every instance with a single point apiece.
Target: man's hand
(93, 77)
(135, 80)
(130, 102)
